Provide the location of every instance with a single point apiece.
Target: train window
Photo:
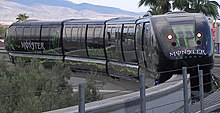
(67, 33)
(139, 44)
(27, 33)
(113, 44)
(10, 38)
(11, 33)
(19, 32)
(50, 38)
(35, 33)
(148, 44)
(95, 44)
(128, 39)
(45, 33)
(54, 38)
(184, 34)
(74, 45)
(76, 34)
(67, 39)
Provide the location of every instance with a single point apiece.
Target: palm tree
(155, 10)
(156, 5)
(22, 17)
(209, 8)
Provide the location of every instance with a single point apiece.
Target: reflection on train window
(113, 44)
(11, 33)
(45, 33)
(139, 43)
(19, 32)
(189, 34)
(74, 40)
(76, 34)
(128, 39)
(27, 33)
(95, 44)
(184, 34)
(183, 31)
(180, 34)
(148, 45)
(35, 33)
(54, 38)
(50, 37)
(67, 33)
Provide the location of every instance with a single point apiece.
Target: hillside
(57, 9)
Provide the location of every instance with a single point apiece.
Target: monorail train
(120, 46)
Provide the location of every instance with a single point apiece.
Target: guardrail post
(201, 91)
(81, 101)
(142, 94)
(185, 89)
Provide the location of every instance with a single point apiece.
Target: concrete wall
(164, 98)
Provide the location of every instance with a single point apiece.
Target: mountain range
(57, 9)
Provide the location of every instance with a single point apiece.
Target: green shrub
(32, 88)
(2, 31)
(94, 83)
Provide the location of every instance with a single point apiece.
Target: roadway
(111, 87)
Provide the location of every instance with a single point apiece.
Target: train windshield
(184, 32)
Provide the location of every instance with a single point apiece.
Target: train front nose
(187, 39)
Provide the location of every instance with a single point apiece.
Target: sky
(129, 5)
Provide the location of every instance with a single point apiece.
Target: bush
(32, 88)
(2, 31)
(94, 83)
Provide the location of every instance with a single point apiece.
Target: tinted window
(11, 34)
(45, 33)
(27, 33)
(50, 39)
(10, 38)
(128, 39)
(19, 32)
(139, 43)
(147, 45)
(74, 40)
(95, 44)
(184, 33)
(113, 42)
(35, 33)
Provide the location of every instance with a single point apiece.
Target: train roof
(124, 20)
(84, 21)
(176, 14)
(39, 23)
(110, 21)
(36, 23)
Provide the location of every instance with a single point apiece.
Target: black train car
(119, 47)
